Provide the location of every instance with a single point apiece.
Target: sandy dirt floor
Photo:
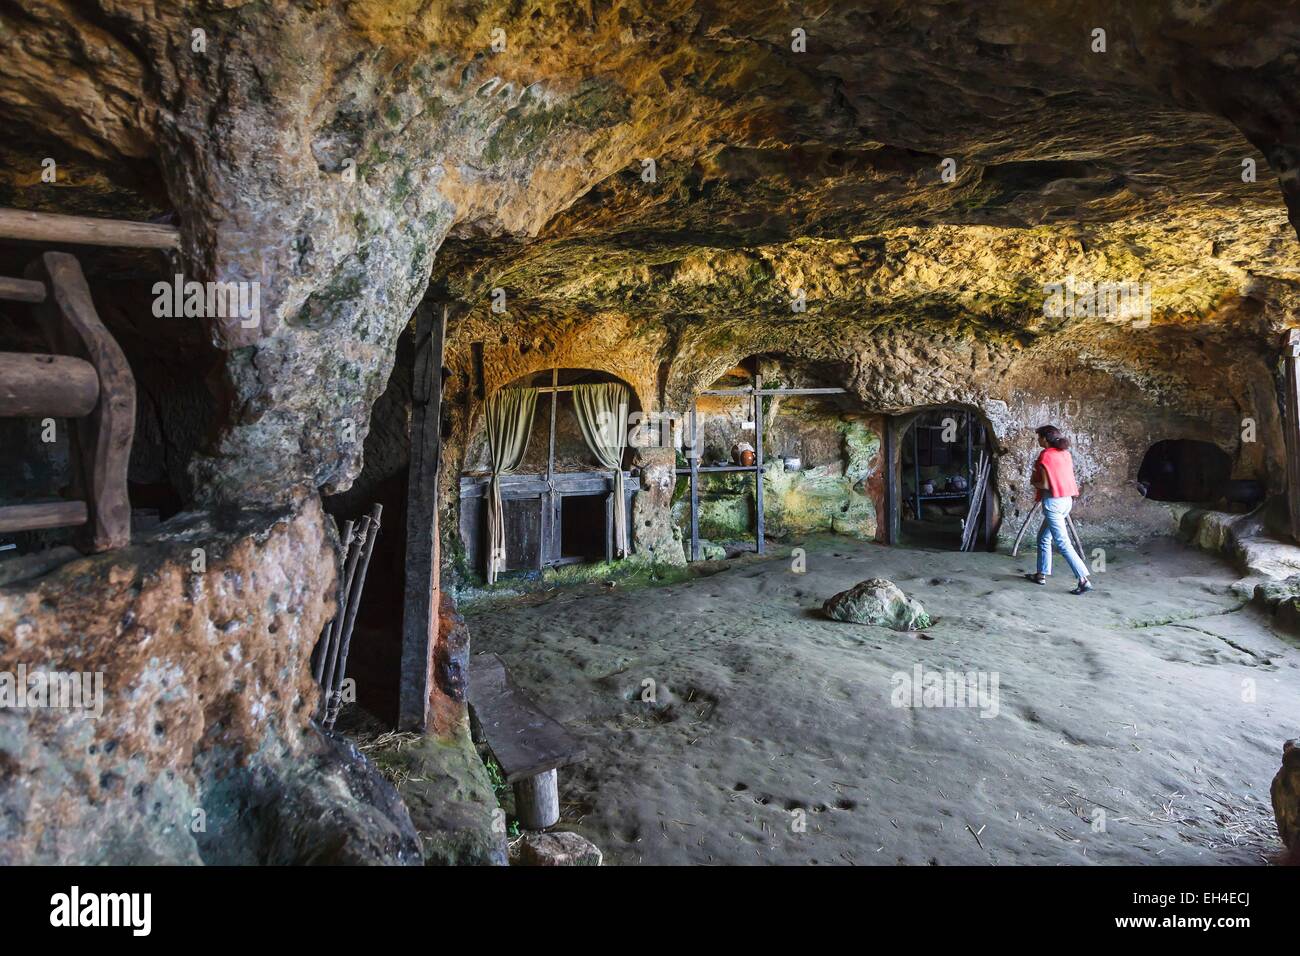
(1141, 723)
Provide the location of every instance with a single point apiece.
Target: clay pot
(742, 453)
(792, 463)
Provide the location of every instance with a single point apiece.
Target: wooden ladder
(85, 378)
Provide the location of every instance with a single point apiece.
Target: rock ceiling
(775, 170)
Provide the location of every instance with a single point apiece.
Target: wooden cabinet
(540, 531)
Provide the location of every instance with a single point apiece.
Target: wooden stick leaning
(327, 637)
(1025, 527)
(976, 503)
(336, 628)
(968, 521)
(354, 601)
(1074, 538)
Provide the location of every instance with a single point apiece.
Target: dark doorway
(938, 455)
(583, 527)
(1182, 469)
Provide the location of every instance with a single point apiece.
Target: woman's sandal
(1036, 578)
(1083, 587)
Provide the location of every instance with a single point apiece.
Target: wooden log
(21, 290)
(34, 385)
(421, 596)
(101, 441)
(45, 514)
(86, 230)
(537, 800)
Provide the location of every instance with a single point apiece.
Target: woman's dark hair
(1052, 435)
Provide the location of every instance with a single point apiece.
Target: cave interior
(879, 242)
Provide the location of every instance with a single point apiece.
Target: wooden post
(1291, 428)
(423, 596)
(892, 489)
(101, 441)
(537, 800)
(694, 459)
(551, 546)
(758, 462)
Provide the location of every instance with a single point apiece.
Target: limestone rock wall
(202, 748)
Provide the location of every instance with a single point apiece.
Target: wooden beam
(423, 593)
(45, 514)
(21, 290)
(34, 385)
(85, 230)
(750, 390)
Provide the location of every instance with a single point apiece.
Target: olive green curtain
(509, 423)
(602, 415)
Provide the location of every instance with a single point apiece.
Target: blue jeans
(1054, 530)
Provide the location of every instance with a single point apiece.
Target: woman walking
(1055, 487)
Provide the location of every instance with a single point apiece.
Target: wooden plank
(530, 486)
(85, 230)
(21, 290)
(422, 594)
(523, 525)
(36, 385)
(45, 514)
(522, 737)
(101, 441)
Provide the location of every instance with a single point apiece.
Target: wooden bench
(529, 745)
